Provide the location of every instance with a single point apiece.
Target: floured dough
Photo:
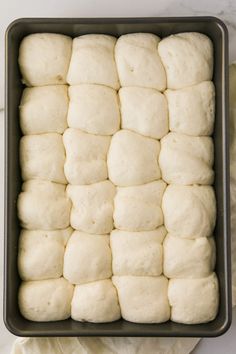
(93, 62)
(92, 209)
(86, 157)
(42, 157)
(137, 253)
(133, 159)
(186, 160)
(187, 58)
(189, 211)
(44, 109)
(41, 253)
(188, 258)
(144, 111)
(87, 258)
(94, 109)
(192, 109)
(43, 205)
(138, 208)
(44, 58)
(194, 301)
(138, 62)
(95, 302)
(143, 299)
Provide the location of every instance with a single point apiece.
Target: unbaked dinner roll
(43, 205)
(44, 58)
(86, 157)
(189, 211)
(194, 301)
(45, 300)
(44, 109)
(192, 109)
(137, 253)
(42, 157)
(41, 253)
(144, 111)
(94, 109)
(133, 159)
(87, 258)
(138, 208)
(186, 159)
(187, 58)
(95, 302)
(93, 62)
(143, 299)
(138, 62)
(188, 258)
(92, 209)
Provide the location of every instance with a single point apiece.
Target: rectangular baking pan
(217, 31)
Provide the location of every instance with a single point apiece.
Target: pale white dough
(42, 157)
(86, 157)
(93, 62)
(143, 299)
(137, 253)
(138, 62)
(187, 58)
(188, 258)
(92, 209)
(194, 301)
(95, 302)
(87, 258)
(138, 208)
(189, 211)
(43, 205)
(133, 159)
(186, 159)
(94, 109)
(45, 300)
(44, 109)
(144, 111)
(41, 253)
(44, 58)
(192, 109)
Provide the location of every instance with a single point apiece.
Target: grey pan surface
(217, 31)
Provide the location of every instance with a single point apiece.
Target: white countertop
(12, 9)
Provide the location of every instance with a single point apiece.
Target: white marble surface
(12, 9)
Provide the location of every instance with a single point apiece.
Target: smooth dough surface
(143, 299)
(44, 109)
(92, 209)
(138, 208)
(44, 58)
(43, 205)
(94, 109)
(41, 253)
(144, 111)
(45, 300)
(189, 211)
(137, 253)
(87, 258)
(192, 109)
(194, 301)
(133, 159)
(138, 62)
(95, 302)
(86, 157)
(187, 58)
(188, 258)
(42, 157)
(186, 159)
(93, 61)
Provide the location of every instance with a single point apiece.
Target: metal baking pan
(217, 31)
